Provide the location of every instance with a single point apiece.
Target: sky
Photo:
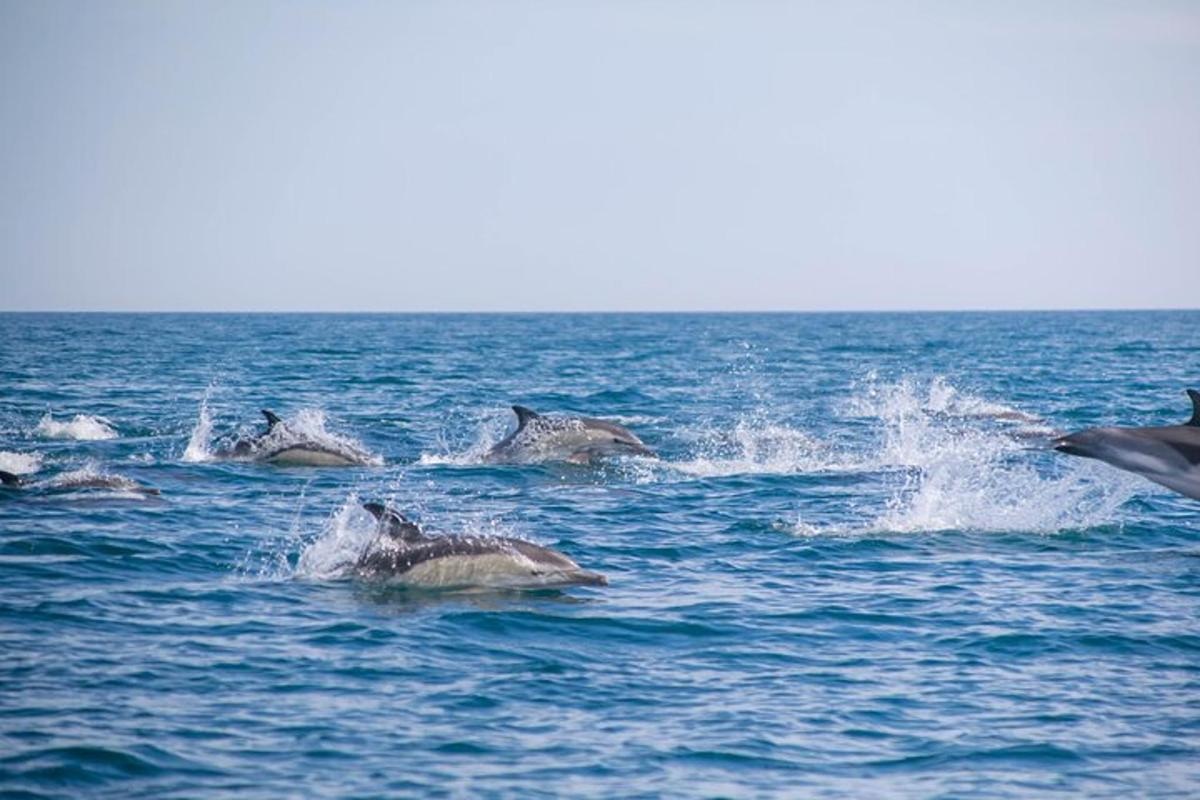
(598, 156)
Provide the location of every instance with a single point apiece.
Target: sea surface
(856, 570)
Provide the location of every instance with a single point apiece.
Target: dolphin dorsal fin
(272, 419)
(393, 523)
(524, 415)
(1195, 420)
(9, 479)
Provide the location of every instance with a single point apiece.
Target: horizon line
(565, 312)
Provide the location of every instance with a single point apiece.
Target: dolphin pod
(1168, 455)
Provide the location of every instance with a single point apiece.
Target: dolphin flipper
(9, 479)
(524, 415)
(1195, 420)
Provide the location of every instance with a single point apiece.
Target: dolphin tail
(9, 479)
(1195, 420)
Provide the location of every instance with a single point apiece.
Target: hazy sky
(610, 156)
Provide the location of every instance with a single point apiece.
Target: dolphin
(281, 444)
(580, 440)
(403, 554)
(1168, 455)
(77, 481)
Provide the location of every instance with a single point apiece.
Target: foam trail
(82, 427)
(20, 463)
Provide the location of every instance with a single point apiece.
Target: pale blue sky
(402, 156)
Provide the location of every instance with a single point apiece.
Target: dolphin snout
(585, 577)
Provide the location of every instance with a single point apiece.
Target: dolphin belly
(489, 571)
(308, 456)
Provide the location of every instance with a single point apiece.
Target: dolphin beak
(1068, 445)
(585, 577)
(642, 450)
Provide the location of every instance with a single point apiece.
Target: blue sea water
(855, 572)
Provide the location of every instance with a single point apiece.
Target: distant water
(853, 573)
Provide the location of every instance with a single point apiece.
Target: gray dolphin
(1169, 455)
(280, 444)
(78, 481)
(580, 440)
(403, 554)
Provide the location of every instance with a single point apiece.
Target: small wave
(20, 463)
(82, 427)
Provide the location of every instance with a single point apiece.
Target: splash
(346, 535)
(756, 446)
(82, 427)
(965, 471)
(489, 430)
(20, 463)
(198, 446)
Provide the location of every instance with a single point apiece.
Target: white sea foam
(82, 427)
(20, 463)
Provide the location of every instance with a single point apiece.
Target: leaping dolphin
(580, 440)
(403, 554)
(1168, 455)
(282, 444)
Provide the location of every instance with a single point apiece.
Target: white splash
(346, 535)
(20, 463)
(490, 430)
(198, 447)
(82, 427)
(756, 446)
(969, 473)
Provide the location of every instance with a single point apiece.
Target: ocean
(855, 571)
